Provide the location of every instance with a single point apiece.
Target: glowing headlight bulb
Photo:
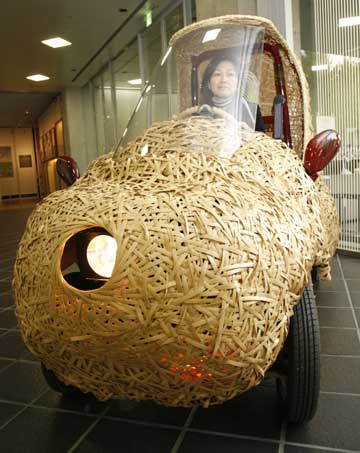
(101, 254)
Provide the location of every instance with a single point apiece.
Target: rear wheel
(299, 390)
(58, 386)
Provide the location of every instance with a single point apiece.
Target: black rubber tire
(315, 276)
(300, 391)
(58, 386)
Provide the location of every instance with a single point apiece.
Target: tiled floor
(35, 419)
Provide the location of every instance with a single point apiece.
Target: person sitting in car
(220, 88)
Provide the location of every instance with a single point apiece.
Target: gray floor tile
(351, 271)
(340, 374)
(43, 431)
(332, 299)
(350, 267)
(195, 442)
(5, 286)
(22, 382)
(149, 411)
(335, 425)
(8, 319)
(353, 284)
(4, 363)
(355, 298)
(79, 403)
(7, 411)
(339, 341)
(336, 317)
(357, 314)
(115, 436)
(6, 300)
(297, 449)
(333, 285)
(13, 347)
(255, 413)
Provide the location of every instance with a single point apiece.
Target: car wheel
(299, 390)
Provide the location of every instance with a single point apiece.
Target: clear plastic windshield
(207, 83)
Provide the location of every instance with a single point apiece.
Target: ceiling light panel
(56, 42)
(320, 67)
(349, 21)
(135, 82)
(37, 77)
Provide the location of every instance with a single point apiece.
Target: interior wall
(23, 182)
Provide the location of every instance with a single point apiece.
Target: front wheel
(300, 389)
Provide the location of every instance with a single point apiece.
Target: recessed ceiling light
(37, 77)
(135, 82)
(56, 42)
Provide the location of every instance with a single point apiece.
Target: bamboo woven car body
(212, 256)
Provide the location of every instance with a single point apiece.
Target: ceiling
(97, 30)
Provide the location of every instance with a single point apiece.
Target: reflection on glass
(215, 80)
(109, 120)
(126, 71)
(99, 113)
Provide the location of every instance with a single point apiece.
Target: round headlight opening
(101, 255)
(88, 258)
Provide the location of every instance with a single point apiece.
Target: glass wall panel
(109, 120)
(331, 59)
(99, 113)
(174, 22)
(128, 84)
(114, 94)
(152, 47)
(91, 145)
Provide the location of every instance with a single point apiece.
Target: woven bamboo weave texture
(212, 256)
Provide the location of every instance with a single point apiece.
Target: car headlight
(88, 258)
(101, 255)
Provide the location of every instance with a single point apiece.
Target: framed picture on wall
(43, 145)
(6, 165)
(59, 137)
(53, 142)
(48, 145)
(25, 161)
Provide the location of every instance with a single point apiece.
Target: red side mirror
(67, 169)
(320, 151)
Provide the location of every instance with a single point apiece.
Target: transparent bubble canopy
(207, 83)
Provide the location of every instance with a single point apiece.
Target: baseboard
(348, 253)
(23, 195)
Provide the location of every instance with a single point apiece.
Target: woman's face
(223, 81)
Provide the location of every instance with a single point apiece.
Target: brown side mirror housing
(67, 169)
(320, 150)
